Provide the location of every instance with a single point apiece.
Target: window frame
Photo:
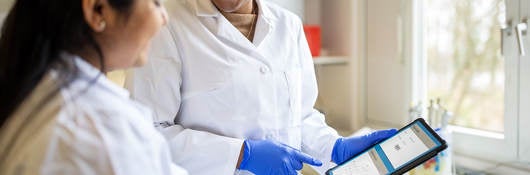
(493, 146)
(524, 101)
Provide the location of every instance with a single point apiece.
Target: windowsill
(478, 165)
(476, 132)
(488, 167)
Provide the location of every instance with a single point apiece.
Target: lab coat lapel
(226, 31)
(264, 25)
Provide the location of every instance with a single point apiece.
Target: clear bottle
(442, 164)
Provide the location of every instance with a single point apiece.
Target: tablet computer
(411, 146)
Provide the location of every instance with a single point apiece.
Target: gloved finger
(288, 170)
(381, 135)
(296, 164)
(304, 158)
(287, 146)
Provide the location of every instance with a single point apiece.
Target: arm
(322, 138)
(89, 144)
(157, 85)
(324, 142)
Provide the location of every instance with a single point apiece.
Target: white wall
(5, 5)
(296, 6)
(313, 11)
(2, 16)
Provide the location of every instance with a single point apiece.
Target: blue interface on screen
(392, 154)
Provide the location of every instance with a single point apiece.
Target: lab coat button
(263, 70)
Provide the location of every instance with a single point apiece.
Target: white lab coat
(88, 128)
(211, 88)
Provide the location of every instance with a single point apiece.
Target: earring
(102, 25)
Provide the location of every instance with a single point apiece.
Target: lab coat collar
(206, 8)
(90, 72)
(264, 11)
(264, 23)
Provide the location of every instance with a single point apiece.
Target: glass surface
(465, 65)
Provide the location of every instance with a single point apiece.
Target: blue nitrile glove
(346, 148)
(264, 157)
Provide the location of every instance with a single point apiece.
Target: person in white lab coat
(232, 85)
(58, 112)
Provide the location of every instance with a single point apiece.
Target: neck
(91, 57)
(246, 8)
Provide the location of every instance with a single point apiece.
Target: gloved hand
(346, 148)
(263, 157)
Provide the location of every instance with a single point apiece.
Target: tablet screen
(392, 154)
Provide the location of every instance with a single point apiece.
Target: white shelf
(330, 60)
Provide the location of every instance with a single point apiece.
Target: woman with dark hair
(59, 114)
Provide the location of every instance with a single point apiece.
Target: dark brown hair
(33, 36)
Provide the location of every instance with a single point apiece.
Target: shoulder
(95, 135)
(179, 9)
(99, 108)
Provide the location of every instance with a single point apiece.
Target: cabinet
(340, 71)
(330, 60)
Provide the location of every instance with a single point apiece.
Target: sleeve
(157, 85)
(318, 138)
(93, 144)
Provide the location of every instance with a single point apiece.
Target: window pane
(465, 66)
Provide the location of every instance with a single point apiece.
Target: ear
(93, 11)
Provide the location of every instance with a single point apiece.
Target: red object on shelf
(312, 33)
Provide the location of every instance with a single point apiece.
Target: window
(453, 50)
(479, 72)
(465, 68)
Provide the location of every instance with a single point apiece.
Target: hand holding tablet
(411, 146)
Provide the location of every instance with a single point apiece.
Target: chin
(140, 61)
(228, 10)
(231, 7)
